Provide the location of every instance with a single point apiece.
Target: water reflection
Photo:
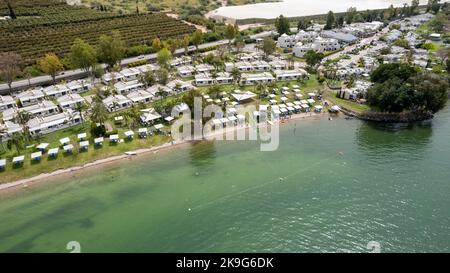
(202, 153)
(383, 139)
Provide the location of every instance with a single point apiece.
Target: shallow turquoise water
(345, 183)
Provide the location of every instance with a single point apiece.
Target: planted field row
(33, 41)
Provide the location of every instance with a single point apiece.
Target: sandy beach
(48, 177)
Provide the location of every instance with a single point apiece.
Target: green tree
(164, 56)
(111, 48)
(236, 74)
(282, 25)
(163, 76)
(197, 38)
(82, 55)
(431, 91)
(387, 71)
(12, 14)
(330, 20)
(80, 107)
(148, 78)
(268, 46)
(303, 24)
(185, 43)
(17, 140)
(350, 15)
(230, 33)
(156, 44)
(51, 65)
(9, 67)
(99, 113)
(313, 58)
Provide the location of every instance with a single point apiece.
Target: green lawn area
(76, 158)
(354, 106)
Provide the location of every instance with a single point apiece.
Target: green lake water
(345, 183)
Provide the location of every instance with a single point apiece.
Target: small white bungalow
(116, 102)
(186, 71)
(202, 68)
(56, 91)
(11, 128)
(130, 74)
(70, 101)
(44, 125)
(224, 78)
(290, 75)
(251, 79)
(7, 102)
(140, 96)
(112, 77)
(180, 86)
(30, 96)
(260, 66)
(203, 79)
(79, 86)
(41, 109)
(124, 88)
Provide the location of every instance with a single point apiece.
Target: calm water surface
(345, 183)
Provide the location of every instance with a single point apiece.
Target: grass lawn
(354, 106)
(76, 158)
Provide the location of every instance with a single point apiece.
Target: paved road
(78, 73)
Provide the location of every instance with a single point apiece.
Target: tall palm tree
(80, 107)
(162, 93)
(236, 74)
(99, 113)
(261, 89)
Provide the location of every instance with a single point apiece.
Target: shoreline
(41, 178)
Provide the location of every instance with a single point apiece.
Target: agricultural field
(177, 6)
(44, 26)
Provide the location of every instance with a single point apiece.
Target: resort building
(290, 75)
(186, 71)
(130, 74)
(116, 102)
(112, 77)
(202, 68)
(179, 61)
(11, 128)
(341, 37)
(7, 102)
(325, 44)
(243, 67)
(224, 78)
(393, 36)
(45, 125)
(9, 114)
(300, 49)
(125, 87)
(147, 67)
(252, 79)
(41, 109)
(56, 91)
(140, 96)
(278, 64)
(260, 66)
(288, 41)
(70, 101)
(180, 86)
(155, 89)
(79, 86)
(30, 96)
(203, 79)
